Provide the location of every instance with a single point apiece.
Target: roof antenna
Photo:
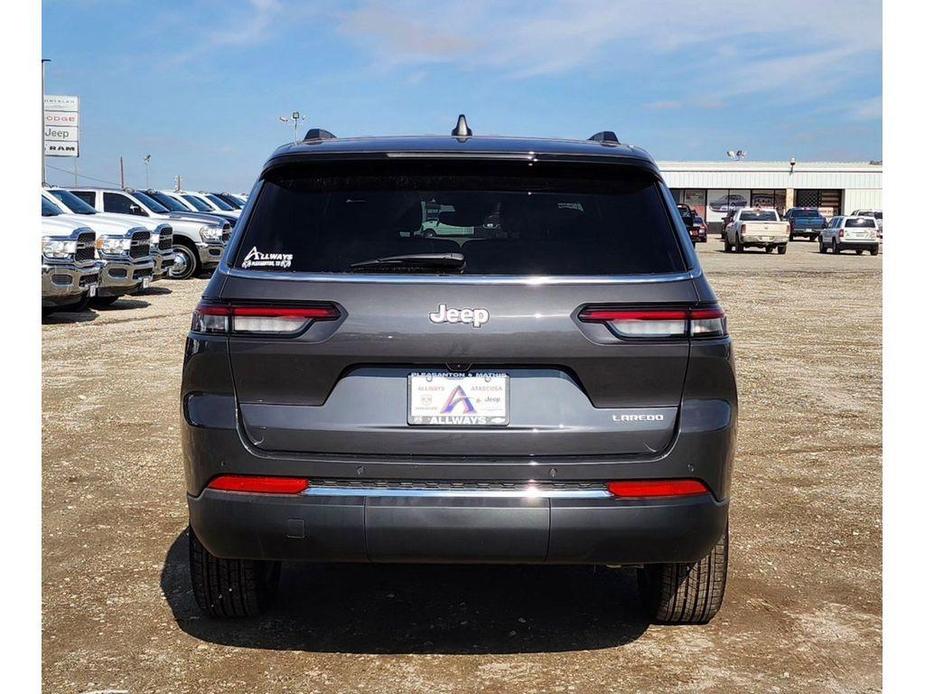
(462, 127)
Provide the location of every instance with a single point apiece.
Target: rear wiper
(420, 261)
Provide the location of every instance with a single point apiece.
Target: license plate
(449, 399)
(91, 290)
(145, 282)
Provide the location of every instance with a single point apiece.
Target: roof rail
(319, 134)
(462, 128)
(605, 137)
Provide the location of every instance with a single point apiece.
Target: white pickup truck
(754, 226)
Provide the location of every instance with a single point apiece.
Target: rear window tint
(524, 224)
(758, 217)
(863, 222)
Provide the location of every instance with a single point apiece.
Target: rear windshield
(758, 217)
(860, 222)
(805, 213)
(524, 224)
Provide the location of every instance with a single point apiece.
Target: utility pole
(121, 174)
(44, 179)
(147, 161)
(179, 183)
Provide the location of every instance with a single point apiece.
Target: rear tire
(835, 249)
(686, 593)
(875, 251)
(727, 247)
(739, 246)
(858, 251)
(782, 249)
(769, 249)
(230, 587)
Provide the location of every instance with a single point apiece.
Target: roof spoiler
(605, 137)
(317, 134)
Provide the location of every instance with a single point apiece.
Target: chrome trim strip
(392, 278)
(523, 493)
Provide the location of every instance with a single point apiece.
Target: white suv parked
(852, 233)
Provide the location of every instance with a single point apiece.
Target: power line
(91, 178)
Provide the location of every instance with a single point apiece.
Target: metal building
(714, 187)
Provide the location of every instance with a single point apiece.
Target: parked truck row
(99, 243)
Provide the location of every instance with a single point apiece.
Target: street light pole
(147, 161)
(44, 179)
(295, 118)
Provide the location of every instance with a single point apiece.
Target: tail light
(254, 484)
(659, 323)
(262, 320)
(649, 489)
(841, 233)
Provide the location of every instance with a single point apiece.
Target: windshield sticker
(255, 258)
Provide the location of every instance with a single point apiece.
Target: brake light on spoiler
(261, 320)
(659, 323)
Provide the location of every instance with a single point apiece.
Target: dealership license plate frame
(492, 416)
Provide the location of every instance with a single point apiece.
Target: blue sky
(200, 84)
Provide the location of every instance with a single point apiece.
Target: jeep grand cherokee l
(559, 389)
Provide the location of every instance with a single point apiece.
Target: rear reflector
(643, 489)
(659, 323)
(259, 485)
(272, 320)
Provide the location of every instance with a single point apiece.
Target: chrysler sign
(61, 125)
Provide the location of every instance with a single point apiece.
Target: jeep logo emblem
(476, 317)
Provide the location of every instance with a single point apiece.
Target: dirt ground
(802, 610)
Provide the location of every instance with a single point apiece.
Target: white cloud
(868, 109)
(745, 47)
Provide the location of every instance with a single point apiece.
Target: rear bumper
(758, 240)
(866, 244)
(446, 529)
(810, 233)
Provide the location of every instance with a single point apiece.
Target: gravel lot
(802, 608)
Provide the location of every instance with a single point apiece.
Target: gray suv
(362, 384)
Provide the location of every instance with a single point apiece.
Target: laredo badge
(255, 258)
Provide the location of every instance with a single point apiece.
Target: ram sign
(62, 126)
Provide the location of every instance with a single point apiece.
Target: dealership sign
(62, 126)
